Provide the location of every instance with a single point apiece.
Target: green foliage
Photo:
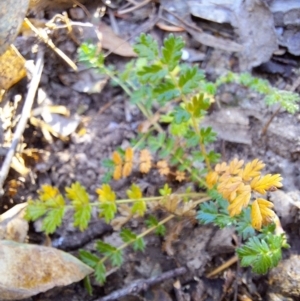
(107, 198)
(113, 253)
(81, 202)
(88, 258)
(100, 272)
(262, 254)
(51, 205)
(139, 207)
(160, 85)
(171, 51)
(146, 47)
(151, 73)
(152, 221)
(128, 236)
(90, 55)
(244, 226)
(53, 220)
(288, 100)
(198, 106)
(35, 210)
(166, 190)
(155, 143)
(215, 211)
(189, 79)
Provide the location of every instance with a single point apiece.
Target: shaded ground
(238, 116)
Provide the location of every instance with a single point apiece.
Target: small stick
(222, 267)
(24, 118)
(142, 285)
(266, 126)
(178, 291)
(83, 8)
(49, 42)
(130, 9)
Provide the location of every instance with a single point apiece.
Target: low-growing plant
(174, 97)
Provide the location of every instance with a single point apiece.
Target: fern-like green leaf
(172, 51)
(139, 244)
(88, 258)
(115, 255)
(139, 207)
(82, 216)
(77, 194)
(116, 258)
(81, 202)
(244, 226)
(189, 79)
(108, 210)
(208, 135)
(35, 209)
(261, 254)
(165, 92)
(155, 143)
(152, 73)
(100, 272)
(127, 235)
(53, 220)
(152, 221)
(146, 47)
(181, 115)
(166, 190)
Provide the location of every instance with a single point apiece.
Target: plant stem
(165, 220)
(147, 232)
(125, 245)
(191, 194)
(141, 107)
(201, 144)
(194, 122)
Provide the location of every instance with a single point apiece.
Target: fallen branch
(142, 285)
(24, 118)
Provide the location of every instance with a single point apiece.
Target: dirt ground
(109, 121)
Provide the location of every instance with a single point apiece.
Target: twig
(24, 118)
(142, 285)
(130, 9)
(266, 126)
(187, 24)
(113, 22)
(178, 291)
(236, 283)
(205, 38)
(43, 35)
(132, 2)
(222, 267)
(83, 8)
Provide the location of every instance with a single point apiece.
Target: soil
(109, 121)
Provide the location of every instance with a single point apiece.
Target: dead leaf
(18, 164)
(12, 187)
(26, 270)
(12, 68)
(114, 43)
(118, 222)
